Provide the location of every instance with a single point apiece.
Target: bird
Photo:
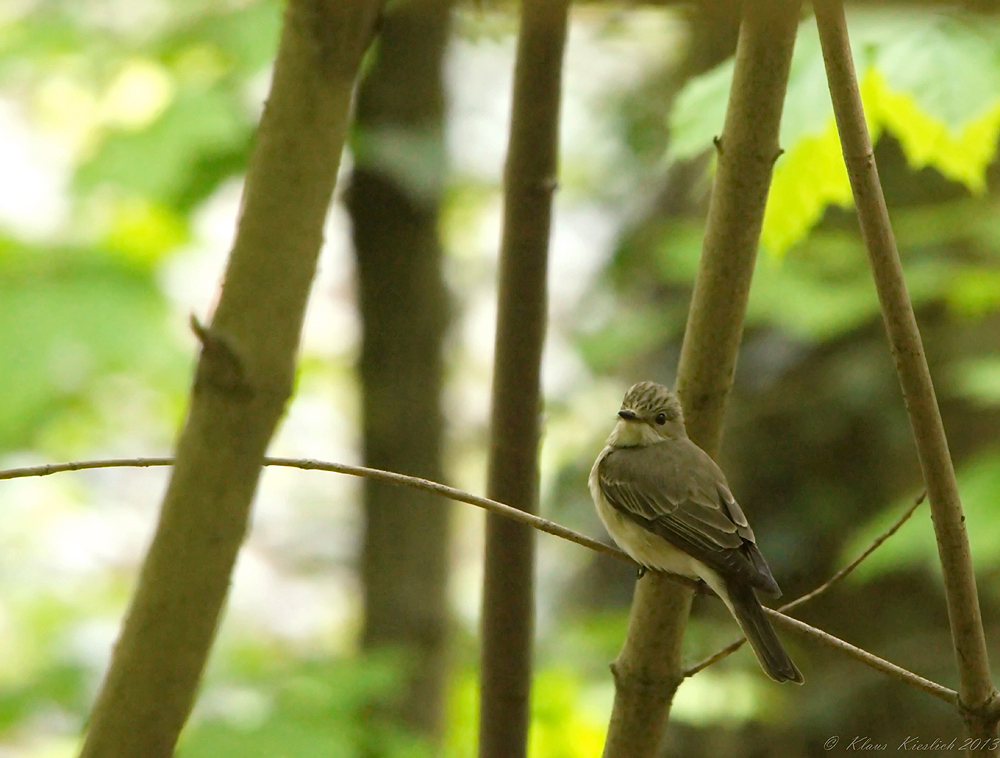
(667, 504)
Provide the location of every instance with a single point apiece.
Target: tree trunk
(647, 672)
(404, 310)
(529, 181)
(961, 593)
(243, 380)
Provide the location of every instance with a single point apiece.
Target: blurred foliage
(567, 716)
(949, 122)
(818, 291)
(158, 111)
(302, 708)
(914, 545)
(154, 108)
(71, 318)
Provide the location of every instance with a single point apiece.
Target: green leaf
(807, 178)
(947, 65)
(162, 161)
(308, 709)
(699, 112)
(68, 320)
(248, 36)
(929, 79)
(566, 722)
(914, 546)
(974, 291)
(806, 305)
(144, 231)
(560, 728)
(977, 379)
(632, 331)
(961, 153)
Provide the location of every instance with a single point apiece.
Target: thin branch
(718, 655)
(872, 661)
(58, 468)
(840, 575)
(835, 643)
(460, 496)
(426, 485)
(648, 669)
(961, 595)
(536, 522)
(735, 645)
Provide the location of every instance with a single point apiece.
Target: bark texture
(394, 201)
(976, 690)
(529, 181)
(243, 380)
(648, 671)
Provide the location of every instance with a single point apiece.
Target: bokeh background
(125, 129)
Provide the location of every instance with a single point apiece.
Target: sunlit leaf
(807, 178)
(949, 66)
(565, 723)
(162, 161)
(560, 728)
(961, 153)
(143, 231)
(64, 325)
(930, 80)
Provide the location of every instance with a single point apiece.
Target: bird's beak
(628, 415)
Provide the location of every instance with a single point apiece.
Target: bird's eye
(661, 418)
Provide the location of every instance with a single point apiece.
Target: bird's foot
(703, 588)
(640, 572)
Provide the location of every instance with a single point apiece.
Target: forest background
(124, 134)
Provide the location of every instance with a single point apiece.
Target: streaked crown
(650, 414)
(647, 399)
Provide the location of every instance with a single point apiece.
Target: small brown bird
(667, 504)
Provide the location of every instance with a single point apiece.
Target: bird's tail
(760, 634)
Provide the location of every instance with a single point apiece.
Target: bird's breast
(645, 547)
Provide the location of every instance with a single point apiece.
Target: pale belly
(646, 548)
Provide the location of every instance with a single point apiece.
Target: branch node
(717, 141)
(988, 711)
(615, 673)
(647, 686)
(220, 366)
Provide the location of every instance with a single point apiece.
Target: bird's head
(650, 413)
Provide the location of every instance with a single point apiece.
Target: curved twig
(735, 645)
(557, 530)
(515, 514)
(961, 595)
(876, 543)
(872, 661)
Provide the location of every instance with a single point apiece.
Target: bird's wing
(675, 490)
